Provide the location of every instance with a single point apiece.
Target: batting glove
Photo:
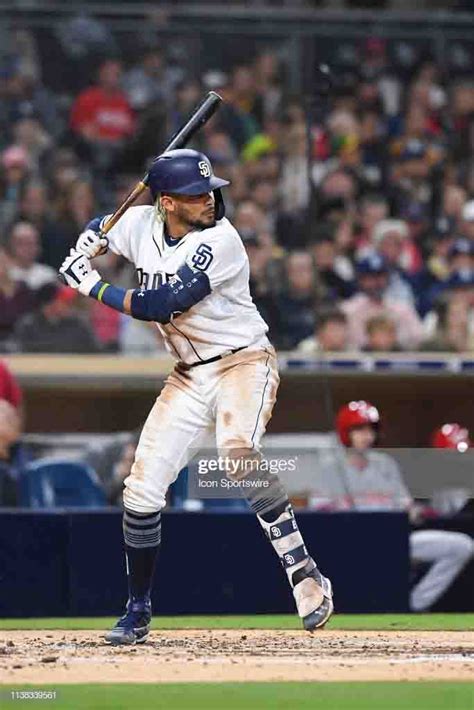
(91, 244)
(77, 272)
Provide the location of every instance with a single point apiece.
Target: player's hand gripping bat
(198, 118)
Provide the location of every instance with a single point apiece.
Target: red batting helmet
(353, 415)
(451, 436)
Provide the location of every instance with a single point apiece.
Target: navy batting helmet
(185, 172)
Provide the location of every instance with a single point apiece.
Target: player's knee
(462, 547)
(139, 502)
(240, 462)
(146, 486)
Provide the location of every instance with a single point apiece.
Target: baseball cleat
(313, 595)
(133, 627)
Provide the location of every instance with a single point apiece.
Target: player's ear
(166, 203)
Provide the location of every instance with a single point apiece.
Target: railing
(78, 370)
(210, 29)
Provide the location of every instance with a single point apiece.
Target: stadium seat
(54, 483)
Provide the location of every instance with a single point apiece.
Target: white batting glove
(77, 272)
(91, 244)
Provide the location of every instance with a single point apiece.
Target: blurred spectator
(266, 277)
(105, 323)
(267, 80)
(454, 329)
(453, 200)
(371, 300)
(330, 273)
(246, 96)
(415, 159)
(83, 40)
(55, 327)
(462, 108)
(64, 169)
(15, 168)
(16, 299)
(30, 135)
(26, 98)
(373, 209)
(467, 223)
(461, 261)
(10, 432)
(381, 335)
(340, 184)
(75, 208)
(296, 305)
(391, 241)
(330, 335)
(24, 250)
(149, 82)
(34, 209)
(101, 116)
(294, 181)
(250, 217)
(427, 282)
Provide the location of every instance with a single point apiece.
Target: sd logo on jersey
(202, 257)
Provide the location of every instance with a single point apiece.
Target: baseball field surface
(356, 662)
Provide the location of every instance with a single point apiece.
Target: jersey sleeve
(401, 495)
(220, 255)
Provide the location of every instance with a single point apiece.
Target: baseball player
(362, 479)
(451, 436)
(193, 275)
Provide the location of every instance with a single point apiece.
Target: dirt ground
(236, 655)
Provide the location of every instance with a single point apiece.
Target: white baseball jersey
(224, 320)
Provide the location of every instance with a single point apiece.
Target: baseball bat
(198, 118)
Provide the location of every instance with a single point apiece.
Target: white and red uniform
(377, 484)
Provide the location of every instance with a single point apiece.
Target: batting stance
(193, 273)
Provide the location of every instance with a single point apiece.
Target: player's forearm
(113, 296)
(183, 291)
(158, 305)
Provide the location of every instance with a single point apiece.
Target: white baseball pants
(233, 396)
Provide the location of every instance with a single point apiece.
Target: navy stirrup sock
(142, 537)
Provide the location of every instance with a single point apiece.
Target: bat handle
(113, 219)
(106, 239)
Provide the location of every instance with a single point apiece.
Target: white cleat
(313, 595)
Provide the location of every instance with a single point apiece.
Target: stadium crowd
(358, 219)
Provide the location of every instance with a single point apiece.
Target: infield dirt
(236, 655)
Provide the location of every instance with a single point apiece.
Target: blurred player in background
(451, 436)
(362, 479)
(10, 431)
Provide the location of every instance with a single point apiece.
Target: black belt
(185, 366)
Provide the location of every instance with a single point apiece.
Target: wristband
(110, 295)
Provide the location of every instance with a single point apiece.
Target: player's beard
(202, 222)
